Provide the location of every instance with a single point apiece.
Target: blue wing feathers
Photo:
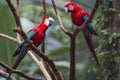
(22, 53)
(90, 28)
(31, 35)
(21, 48)
(84, 18)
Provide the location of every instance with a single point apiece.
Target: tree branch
(8, 37)
(59, 19)
(72, 57)
(44, 8)
(48, 60)
(44, 15)
(37, 62)
(17, 72)
(4, 74)
(18, 13)
(16, 16)
(43, 44)
(40, 65)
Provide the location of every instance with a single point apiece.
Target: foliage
(6, 47)
(107, 50)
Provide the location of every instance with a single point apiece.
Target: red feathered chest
(77, 17)
(38, 38)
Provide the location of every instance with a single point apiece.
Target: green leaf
(7, 23)
(105, 32)
(116, 35)
(119, 14)
(110, 39)
(112, 9)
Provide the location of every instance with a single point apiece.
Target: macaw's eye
(70, 8)
(49, 21)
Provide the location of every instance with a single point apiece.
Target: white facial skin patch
(66, 9)
(70, 8)
(49, 21)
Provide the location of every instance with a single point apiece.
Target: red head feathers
(72, 7)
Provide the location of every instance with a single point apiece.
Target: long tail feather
(90, 28)
(20, 48)
(22, 53)
(17, 62)
(91, 47)
(16, 52)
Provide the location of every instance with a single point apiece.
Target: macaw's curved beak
(66, 9)
(51, 21)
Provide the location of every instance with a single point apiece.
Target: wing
(90, 28)
(19, 48)
(31, 34)
(88, 37)
(22, 53)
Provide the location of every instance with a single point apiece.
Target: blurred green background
(56, 42)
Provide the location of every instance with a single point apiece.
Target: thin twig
(72, 46)
(17, 72)
(44, 8)
(8, 37)
(59, 19)
(18, 13)
(48, 59)
(4, 74)
(40, 65)
(50, 71)
(44, 15)
(43, 44)
(15, 40)
(17, 8)
(16, 16)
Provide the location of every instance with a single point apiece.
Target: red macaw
(79, 16)
(36, 35)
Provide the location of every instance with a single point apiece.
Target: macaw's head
(48, 21)
(72, 7)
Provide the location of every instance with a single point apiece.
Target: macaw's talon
(31, 41)
(16, 29)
